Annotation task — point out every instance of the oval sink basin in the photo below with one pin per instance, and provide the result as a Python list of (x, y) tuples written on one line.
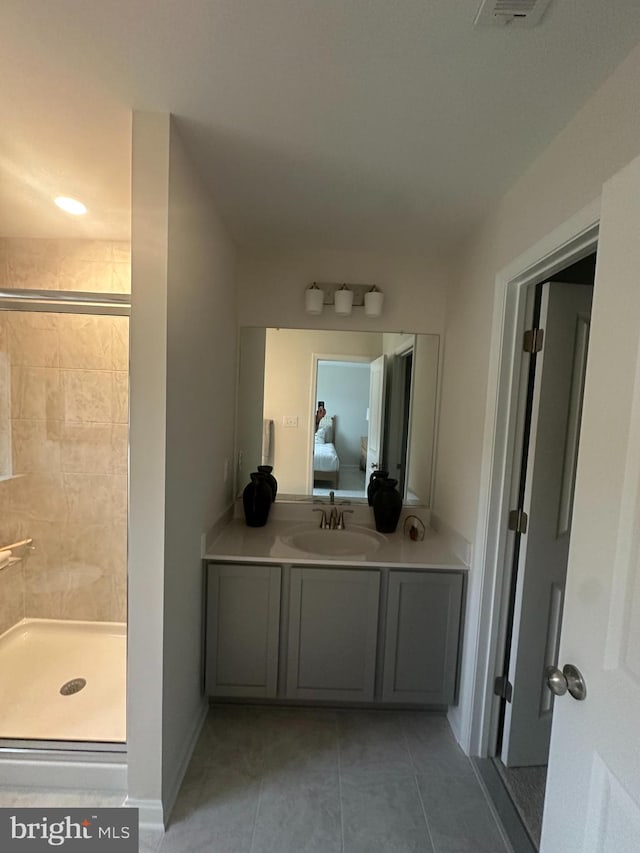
[(336, 543)]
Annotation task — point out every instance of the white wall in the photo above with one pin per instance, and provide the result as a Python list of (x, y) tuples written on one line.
[(201, 380), (600, 139), (147, 441), (271, 290), (183, 347)]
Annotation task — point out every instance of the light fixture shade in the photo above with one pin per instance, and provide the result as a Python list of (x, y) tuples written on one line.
[(373, 300), (313, 300), (343, 301)]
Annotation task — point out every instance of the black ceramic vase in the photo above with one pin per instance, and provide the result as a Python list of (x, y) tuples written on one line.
[(266, 470), (374, 483), (387, 506), (256, 500)]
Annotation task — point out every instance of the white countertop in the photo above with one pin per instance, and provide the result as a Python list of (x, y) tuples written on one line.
[(238, 543)]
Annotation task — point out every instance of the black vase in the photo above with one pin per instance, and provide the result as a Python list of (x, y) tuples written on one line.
[(387, 506), (374, 483), (256, 500), (266, 470)]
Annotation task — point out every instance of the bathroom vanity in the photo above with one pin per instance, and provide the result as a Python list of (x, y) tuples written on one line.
[(379, 624)]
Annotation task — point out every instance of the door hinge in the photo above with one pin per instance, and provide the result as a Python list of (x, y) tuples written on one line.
[(533, 339), (503, 688), (518, 520)]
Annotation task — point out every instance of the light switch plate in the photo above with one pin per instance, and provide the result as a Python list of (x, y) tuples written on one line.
[(290, 420)]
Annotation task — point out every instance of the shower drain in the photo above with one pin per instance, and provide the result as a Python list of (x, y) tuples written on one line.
[(73, 686)]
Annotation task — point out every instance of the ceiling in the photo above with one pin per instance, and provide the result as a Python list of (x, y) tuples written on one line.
[(345, 124)]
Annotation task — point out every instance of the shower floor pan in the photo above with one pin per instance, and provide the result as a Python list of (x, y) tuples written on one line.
[(41, 657)]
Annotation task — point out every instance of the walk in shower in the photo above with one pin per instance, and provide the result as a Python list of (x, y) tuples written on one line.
[(64, 367)]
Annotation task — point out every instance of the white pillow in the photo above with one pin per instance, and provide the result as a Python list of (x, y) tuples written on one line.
[(320, 435)]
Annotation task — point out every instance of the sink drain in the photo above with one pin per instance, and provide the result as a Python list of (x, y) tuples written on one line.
[(73, 686)]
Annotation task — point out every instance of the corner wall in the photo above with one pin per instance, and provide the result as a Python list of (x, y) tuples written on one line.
[(201, 382), (601, 139), (183, 345)]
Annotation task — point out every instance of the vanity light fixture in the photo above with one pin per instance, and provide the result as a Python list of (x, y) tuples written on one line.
[(313, 299), (373, 300), (343, 297), (71, 205), (343, 301)]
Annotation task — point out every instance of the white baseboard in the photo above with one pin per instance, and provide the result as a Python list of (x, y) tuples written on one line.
[(57, 773), (149, 813), (170, 799)]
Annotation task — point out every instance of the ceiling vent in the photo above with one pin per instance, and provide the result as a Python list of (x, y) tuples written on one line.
[(515, 13)]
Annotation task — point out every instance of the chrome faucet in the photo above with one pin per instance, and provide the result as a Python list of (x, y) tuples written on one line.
[(340, 523), (333, 519), (332, 497), (324, 524)]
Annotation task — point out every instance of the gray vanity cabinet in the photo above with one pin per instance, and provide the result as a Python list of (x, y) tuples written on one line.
[(422, 637), (243, 622), (332, 637)]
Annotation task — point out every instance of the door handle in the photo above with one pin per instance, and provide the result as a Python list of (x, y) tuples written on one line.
[(570, 679)]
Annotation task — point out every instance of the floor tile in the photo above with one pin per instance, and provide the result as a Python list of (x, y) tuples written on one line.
[(383, 815), (372, 743), (215, 812), (298, 815), (458, 815)]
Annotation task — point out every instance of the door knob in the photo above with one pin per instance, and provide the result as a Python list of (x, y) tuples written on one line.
[(556, 681), (570, 679), (575, 682)]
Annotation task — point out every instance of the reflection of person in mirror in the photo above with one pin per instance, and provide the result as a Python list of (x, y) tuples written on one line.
[(320, 413)]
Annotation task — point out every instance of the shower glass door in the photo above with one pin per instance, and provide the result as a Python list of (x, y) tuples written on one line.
[(64, 367)]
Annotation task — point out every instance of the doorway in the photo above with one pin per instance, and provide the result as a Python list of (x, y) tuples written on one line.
[(342, 390), (545, 453)]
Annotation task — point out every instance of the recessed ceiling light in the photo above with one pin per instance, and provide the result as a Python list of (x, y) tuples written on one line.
[(71, 205)]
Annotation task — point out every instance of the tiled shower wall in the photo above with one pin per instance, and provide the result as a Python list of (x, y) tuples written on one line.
[(68, 392)]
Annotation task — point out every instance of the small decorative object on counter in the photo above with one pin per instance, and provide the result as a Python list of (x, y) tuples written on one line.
[(266, 470), (414, 528), (387, 506), (257, 498), (374, 483)]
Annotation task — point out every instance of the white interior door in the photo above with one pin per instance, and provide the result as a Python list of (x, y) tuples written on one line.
[(542, 567), (376, 415), (593, 787)]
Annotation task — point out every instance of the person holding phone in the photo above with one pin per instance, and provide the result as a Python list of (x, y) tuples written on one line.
[(320, 413)]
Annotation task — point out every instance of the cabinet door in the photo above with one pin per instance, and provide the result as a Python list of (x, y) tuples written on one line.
[(243, 621), (422, 637), (333, 623)]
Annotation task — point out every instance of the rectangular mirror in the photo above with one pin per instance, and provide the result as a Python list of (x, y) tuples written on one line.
[(379, 392)]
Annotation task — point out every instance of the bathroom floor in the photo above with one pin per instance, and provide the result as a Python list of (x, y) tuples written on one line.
[(329, 781), (352, 484), (39, 656)]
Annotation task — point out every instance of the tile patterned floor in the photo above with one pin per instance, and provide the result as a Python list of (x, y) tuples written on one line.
[(282, 780)]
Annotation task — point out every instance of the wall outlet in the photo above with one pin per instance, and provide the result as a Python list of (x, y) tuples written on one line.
[(290, 420)]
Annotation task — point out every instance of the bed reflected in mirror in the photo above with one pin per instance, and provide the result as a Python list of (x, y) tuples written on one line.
[(377, 390)]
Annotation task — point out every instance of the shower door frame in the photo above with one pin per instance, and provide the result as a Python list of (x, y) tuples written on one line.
[(66, 302)]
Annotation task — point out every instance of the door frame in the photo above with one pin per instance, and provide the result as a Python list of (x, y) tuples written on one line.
[(570, 242)]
